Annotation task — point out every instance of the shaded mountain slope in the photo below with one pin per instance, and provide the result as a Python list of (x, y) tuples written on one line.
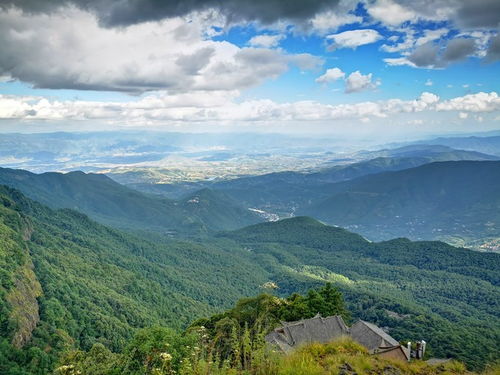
[(111, 203), (85, 283), (434, 199)]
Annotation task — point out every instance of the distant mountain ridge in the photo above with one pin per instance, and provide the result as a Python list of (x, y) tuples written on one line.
[(485, 144), (288, 189), (113, 204)]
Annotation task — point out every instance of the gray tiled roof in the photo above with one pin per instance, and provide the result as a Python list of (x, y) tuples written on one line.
[(371, 336), (317, 329)]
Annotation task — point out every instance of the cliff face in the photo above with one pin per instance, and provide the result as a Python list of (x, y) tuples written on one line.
[(24, 305), (19, 287)]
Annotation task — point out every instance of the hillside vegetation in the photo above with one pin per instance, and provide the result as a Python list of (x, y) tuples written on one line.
[(69, 282), (437, 199), (113, 204), (233, 343)]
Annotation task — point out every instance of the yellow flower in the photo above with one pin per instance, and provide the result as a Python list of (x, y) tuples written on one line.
[(165, 356)]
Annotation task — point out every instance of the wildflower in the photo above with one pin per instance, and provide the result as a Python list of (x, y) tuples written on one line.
[(165, 356)]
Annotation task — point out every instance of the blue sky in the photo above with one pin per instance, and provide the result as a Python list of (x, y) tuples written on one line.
[(327, 65)]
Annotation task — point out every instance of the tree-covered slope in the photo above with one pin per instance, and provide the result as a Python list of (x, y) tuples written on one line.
[(84, 283), (445, 198), (111, 203), (445, 295)]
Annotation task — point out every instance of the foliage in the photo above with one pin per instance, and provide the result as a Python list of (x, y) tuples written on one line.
[(100, 285), (113, 204), (430, 201)]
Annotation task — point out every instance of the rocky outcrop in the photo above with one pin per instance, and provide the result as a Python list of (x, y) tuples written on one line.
[(24, 305)]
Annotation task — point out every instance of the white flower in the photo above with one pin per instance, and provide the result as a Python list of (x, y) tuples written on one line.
[(165, 357)]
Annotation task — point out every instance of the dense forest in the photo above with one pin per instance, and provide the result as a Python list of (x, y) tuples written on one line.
[(233, 342), (110, 203), (68, 283)]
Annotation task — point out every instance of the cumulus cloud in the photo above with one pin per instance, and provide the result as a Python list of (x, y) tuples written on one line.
[(425, 55), (480, 102), (464, 13), (125, 13), (322, 15), (51, 51), (430, 55), (354, 82), (265, 40), (357, 82), (353, 38), (329, 21), (331, 75), (458, 49), (390, 12), (478, 13), (220, 107)]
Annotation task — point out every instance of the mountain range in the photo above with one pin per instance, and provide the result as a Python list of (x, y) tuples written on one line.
[(111, 203)]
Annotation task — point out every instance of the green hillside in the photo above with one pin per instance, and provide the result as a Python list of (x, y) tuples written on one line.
[(233, 342), (85, 283), (113, 204), (69, 282)]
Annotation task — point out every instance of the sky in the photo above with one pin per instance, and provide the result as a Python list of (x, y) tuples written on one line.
[(393, 68)]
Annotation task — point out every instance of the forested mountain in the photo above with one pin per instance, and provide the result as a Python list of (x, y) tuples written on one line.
[(111, 203), (437, 199), (390, 196), (67, 282), (285, 192), (79, 282)]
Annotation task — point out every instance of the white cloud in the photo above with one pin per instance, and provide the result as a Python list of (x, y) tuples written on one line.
[(428, 82), (330, 20), (398, 61), (331, 75), (265, 40), (463, 115), (219, 107), (354, 38), (390, 12), (431, 35), (429, 98), (480, 102), (68, 49), (356, 82)]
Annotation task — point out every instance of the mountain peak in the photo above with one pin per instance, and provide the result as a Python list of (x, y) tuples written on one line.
[(301, 230)]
